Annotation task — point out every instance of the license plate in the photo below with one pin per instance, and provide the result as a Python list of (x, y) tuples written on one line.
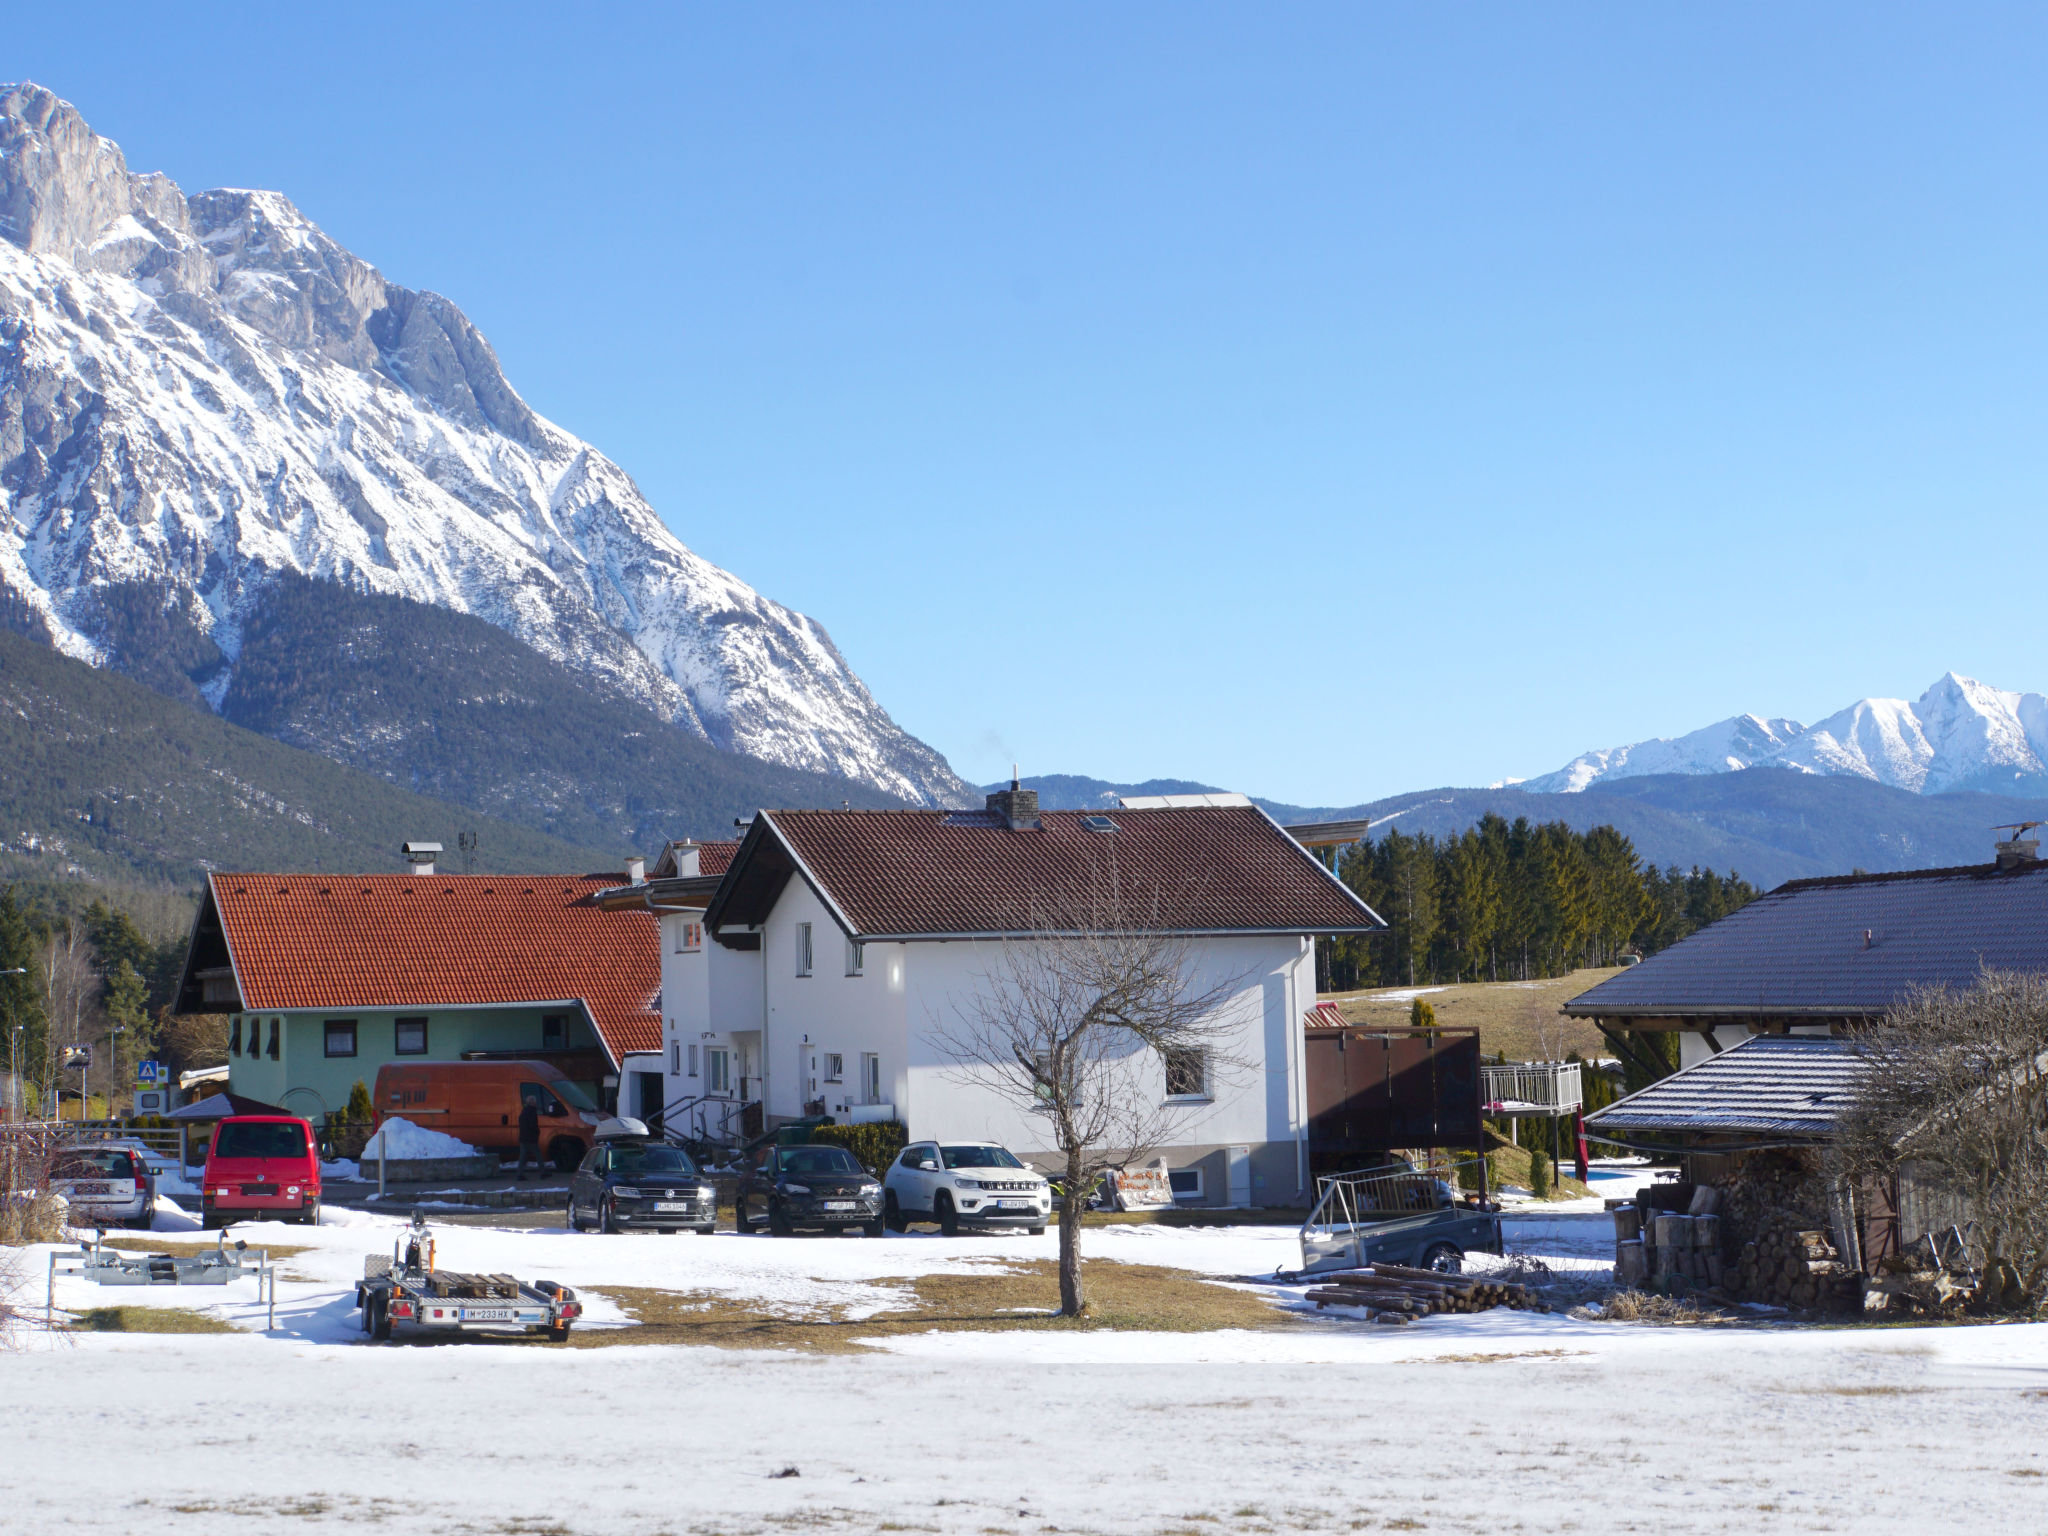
[(487, 1314), (841, 1205), (1013, 1205), (671, 1205)]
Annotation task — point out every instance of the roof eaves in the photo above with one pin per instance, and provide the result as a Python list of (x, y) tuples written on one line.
[(1378, 924), (811, 879), (965, 935)]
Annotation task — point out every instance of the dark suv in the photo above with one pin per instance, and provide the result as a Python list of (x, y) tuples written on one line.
[(809, 1186), (633, 1185)]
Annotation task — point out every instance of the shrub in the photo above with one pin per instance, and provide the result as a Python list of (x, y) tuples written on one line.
[(1539, 1174), (874, 1145)]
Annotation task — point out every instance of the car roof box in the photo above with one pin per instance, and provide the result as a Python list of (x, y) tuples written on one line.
[(622, 1128)]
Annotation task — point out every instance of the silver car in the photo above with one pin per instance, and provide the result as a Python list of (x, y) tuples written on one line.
[(105, 1186)]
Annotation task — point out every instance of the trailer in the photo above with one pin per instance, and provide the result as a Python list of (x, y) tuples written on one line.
[(1398, 1214), (409, 1291)]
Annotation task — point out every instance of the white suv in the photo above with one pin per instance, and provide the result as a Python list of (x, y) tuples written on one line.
[(964, 1184)]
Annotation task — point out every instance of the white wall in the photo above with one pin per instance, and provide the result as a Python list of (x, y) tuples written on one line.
[(827, 1011), (1257, 1102), (1693, 1048)]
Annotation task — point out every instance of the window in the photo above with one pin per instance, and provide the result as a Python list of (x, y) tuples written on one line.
[(276, 1028), (854, 958), (835, 1067), (675, 1058), (803, 949), (1186, 1183), (1187, 1074), (260, 1138), (689, 936), (235, 1036), (717, 1071), (554, 1032), (693, 1061), (547, 1103), (409, 1037), (341, 1037), (870, 1078)]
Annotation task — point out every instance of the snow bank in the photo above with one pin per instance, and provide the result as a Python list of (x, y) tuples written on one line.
[(401, 1138)]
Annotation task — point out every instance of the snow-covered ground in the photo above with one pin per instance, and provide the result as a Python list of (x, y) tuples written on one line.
[(1500, 1422)]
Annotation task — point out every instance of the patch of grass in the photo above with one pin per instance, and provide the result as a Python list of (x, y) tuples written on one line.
[(1513, 1017), (148, 1320), (143, 1242), (1020, 1298), (1649, 1307), (1484, 1359)]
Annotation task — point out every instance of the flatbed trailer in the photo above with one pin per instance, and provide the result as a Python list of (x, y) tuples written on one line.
[(408, 1291)]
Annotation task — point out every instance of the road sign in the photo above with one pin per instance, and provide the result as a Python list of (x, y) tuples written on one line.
[(77, 1056), (150, 1072)]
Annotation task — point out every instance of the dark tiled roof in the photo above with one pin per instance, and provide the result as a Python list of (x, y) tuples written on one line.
[(407, 941), (903, 873), (1776, 1085), (1801, 950)]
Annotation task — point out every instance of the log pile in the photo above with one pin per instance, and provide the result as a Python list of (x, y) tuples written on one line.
[(1669, 1250), (1397, 1294), (1792, 1264)]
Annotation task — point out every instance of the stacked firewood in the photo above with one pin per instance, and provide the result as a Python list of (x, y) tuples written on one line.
[(1791, 1264), (1395, 1293)]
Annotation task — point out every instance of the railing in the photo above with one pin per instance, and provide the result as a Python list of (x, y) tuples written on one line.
[(1530, 1088)]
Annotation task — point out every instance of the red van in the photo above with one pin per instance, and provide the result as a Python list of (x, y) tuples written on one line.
[(261, 1167)]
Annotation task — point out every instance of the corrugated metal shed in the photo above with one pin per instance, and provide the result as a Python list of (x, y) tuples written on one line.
[(1840, 948), (1776, 1085)]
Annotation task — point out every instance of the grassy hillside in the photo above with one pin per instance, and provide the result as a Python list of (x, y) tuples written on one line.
[(1518, 1019), (111, 782), (451, 706)]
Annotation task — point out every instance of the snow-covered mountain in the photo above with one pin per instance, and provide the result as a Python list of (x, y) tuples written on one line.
[(1959, 734), (200, 393)]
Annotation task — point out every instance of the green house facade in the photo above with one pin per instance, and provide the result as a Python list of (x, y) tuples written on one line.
[(326, 978)]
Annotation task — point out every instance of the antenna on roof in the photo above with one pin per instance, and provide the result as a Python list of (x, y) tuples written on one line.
[(466, 841)]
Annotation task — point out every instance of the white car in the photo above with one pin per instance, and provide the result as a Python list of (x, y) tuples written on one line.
[(964, 1184)]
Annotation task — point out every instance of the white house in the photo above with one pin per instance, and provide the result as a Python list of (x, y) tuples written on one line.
[(822, 971)]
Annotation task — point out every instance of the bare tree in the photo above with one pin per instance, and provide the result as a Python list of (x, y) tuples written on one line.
[(1953, 1096), (71, 990), (1092, 1019)]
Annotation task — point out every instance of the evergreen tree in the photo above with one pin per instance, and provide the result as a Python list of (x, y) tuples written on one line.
[(25, 1045)]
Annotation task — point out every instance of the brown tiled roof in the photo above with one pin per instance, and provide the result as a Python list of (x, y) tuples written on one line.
[(408, 941), (934, 873), (716, 858)]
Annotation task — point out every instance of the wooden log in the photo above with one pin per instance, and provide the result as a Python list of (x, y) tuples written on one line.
[(1628, 1223)]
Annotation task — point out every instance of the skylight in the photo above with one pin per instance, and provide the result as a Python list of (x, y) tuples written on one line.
[(1098, 823)]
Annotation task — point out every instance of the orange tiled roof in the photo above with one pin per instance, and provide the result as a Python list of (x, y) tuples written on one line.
[(410, 941)]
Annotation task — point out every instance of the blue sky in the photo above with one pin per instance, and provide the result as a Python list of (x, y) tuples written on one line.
[(1322, 402)]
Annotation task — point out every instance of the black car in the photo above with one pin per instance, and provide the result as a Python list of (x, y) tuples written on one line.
[(809, 1186), (625, 1186)]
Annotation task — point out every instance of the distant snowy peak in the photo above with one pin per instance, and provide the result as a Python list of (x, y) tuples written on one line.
[(1960, 734), (1718, 748), (200, 394)]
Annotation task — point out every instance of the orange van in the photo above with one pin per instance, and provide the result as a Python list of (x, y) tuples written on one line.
[(478, 1102)]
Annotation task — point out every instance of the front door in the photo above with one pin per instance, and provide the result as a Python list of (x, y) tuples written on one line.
[(647, 1099)]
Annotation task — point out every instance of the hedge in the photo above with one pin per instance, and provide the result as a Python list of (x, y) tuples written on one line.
[(874, 1145)]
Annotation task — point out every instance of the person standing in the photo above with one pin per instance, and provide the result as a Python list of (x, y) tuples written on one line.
[(529, 1134)]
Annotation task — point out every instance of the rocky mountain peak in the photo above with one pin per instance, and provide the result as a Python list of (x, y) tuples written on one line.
[(202, 393)]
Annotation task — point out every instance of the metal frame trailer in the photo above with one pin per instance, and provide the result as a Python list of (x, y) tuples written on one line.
[(408, 1290)]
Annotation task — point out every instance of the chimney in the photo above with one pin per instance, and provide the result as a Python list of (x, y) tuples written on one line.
[(421, 857), (636, 870), (2016, 850), (1016, 805)]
